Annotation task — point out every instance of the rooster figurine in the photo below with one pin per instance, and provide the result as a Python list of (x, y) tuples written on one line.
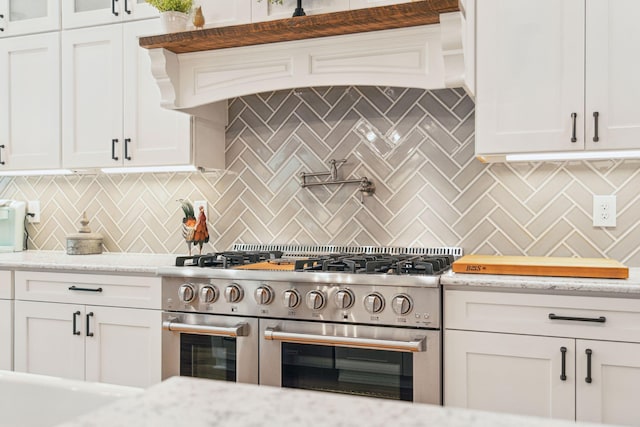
[(201, 234), (188, 223), (198, 18)]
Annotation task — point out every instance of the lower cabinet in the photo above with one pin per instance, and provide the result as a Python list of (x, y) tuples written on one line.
[(94, 327), (543, 355), (104, 344), (6, 335)]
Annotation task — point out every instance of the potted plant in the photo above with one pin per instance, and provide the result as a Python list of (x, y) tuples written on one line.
[(174, 14)]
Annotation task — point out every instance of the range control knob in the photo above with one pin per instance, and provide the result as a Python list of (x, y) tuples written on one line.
[(316, 300), (344, 299), (233, 293), (374, 303), (291, 298), (208, 294), (402, 304), (263, 295), (186, 293)]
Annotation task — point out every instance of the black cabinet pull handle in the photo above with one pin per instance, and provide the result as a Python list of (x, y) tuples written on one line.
[(563, 374), (126, 7), (1, 148), (600, 319), (574, 116), (89, 316), (589, 353), (126, 148), (1, 17), (113, 149), (113, 7), (595, 122), (76, 288), (75, 316)]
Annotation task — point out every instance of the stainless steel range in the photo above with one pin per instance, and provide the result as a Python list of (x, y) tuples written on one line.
[(355, 320)]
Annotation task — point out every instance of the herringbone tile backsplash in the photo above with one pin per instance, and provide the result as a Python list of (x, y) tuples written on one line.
[(415, 145)]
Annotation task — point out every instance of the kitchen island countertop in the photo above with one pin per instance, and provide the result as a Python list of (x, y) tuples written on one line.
[(182, 401)]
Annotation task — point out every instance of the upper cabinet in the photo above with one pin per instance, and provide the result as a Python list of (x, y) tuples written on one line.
[(534, 91), (111, 106), (23, 17), (30, 102), (84, 13)]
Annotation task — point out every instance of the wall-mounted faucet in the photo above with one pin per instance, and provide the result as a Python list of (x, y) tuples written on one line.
[(367, 187)]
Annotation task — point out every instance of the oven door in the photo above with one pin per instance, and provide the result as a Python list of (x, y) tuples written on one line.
[(210, 346), (386, 362)]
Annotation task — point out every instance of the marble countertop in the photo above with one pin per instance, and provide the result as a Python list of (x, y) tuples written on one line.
[(138, 263), (617, 287), (181, 401), (108, 262)]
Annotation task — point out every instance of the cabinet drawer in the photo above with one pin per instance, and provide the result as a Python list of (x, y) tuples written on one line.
[(529, 314), (6, 285), (96, 289)]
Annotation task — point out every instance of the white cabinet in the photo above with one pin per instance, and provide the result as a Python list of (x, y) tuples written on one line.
[(544, 355), (30, 104), (509, 373), (84, 13), (6, 320), (221, 13), (33, 16), (82, 326), (265, 11), (534, 93), (111, 106)]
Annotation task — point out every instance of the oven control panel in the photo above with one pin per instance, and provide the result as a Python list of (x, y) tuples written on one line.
[(411, 306)]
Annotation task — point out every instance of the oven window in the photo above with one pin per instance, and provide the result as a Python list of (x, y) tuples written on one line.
[(375, 373), (205, 356)]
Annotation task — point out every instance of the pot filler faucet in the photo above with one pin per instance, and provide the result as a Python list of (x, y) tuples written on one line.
[(366, 188)]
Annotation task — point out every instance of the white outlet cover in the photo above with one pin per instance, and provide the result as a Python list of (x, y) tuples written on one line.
[(33, 206), (604, 211)]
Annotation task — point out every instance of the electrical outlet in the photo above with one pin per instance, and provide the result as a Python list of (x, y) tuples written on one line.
[(604, 211), (196, 208), (33, 207)]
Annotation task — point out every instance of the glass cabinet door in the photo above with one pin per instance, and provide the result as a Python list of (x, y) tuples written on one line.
[(24, 17), (83, 13)]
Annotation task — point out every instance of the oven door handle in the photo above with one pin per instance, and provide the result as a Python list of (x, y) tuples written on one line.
[(417, 345), (239, 330)]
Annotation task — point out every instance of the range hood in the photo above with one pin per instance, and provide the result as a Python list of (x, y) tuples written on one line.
[(419, 44)]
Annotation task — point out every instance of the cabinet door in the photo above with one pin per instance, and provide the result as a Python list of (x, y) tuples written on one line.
[(92, 97), (509, 373), (361, 4), (125, 347), (220, 13), (30, 105), (153, 135), (6, 335), (86, 13), (612, 395), (530, 75), (612, 70), (265, 11), (33, 16), (46, 341)]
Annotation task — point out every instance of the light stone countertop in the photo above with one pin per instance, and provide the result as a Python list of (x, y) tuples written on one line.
[(106, 262), (182, 401), (615, 287)]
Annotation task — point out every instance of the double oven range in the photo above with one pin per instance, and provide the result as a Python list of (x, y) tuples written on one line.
[(353, 320)]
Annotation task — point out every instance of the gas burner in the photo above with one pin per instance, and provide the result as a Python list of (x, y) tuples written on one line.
[(226, 259), (377, 264)]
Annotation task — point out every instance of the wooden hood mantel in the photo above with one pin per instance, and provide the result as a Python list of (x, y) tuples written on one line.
[(417, 44)]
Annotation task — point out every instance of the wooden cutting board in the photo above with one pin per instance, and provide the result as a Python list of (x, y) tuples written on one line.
[(541, 266), (281, 265)]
